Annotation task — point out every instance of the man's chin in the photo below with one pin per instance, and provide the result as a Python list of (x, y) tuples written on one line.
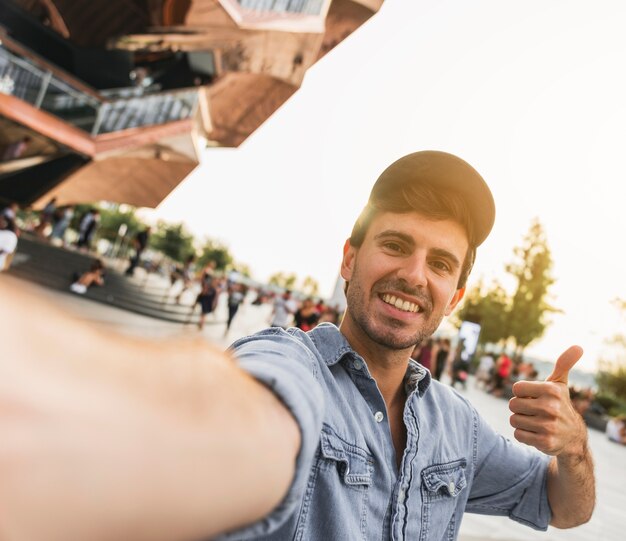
[(395, 341)]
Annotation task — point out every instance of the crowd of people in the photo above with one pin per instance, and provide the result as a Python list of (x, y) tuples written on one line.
[(287, 310)]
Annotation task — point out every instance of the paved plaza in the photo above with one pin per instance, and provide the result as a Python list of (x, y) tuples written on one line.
[(610, 458)]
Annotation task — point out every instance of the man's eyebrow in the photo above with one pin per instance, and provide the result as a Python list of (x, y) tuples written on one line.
[(391, 233)]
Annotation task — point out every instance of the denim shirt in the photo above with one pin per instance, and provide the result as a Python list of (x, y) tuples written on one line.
[(347, 484)]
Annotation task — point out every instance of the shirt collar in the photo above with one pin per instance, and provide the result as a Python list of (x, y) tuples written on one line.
[(333, 346)]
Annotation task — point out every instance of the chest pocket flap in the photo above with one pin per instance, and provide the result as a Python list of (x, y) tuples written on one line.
[(354, 464), (445, 480)]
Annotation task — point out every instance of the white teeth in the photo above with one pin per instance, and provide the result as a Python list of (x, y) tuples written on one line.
[(405, 306)]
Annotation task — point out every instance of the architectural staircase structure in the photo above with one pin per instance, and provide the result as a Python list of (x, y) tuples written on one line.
[(140, 87), (146, 294)]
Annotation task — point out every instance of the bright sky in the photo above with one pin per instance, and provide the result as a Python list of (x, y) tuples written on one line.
[(532, 94)]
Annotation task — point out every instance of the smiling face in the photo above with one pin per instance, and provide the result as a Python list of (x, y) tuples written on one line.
[(402, 279)]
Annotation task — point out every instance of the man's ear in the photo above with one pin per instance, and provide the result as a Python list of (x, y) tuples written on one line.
[(347, 263), (456, 298)]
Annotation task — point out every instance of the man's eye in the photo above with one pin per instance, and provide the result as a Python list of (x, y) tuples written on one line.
[(441, 265), (393, 246)]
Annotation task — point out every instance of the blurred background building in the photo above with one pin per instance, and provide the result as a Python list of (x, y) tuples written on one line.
[(116, 99)]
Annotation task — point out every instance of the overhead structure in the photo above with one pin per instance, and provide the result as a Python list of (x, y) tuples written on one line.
[(116, 99)]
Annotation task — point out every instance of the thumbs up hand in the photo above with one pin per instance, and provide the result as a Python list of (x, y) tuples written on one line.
[(543, 414)]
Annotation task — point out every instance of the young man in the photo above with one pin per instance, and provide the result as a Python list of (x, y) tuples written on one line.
[(344, 438)]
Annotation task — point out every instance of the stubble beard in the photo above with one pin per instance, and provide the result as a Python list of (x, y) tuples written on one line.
[(386, 334)]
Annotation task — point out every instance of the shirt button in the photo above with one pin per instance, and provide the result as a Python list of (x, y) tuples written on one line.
[(401, 495), (452, 487), (379, 416), (357, 363)]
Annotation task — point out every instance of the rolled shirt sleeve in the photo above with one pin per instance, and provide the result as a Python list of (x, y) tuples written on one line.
[(286, 366), (510, 480)]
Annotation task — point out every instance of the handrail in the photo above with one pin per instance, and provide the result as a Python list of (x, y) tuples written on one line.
[(308, 7), (94, 114), (33, 58)]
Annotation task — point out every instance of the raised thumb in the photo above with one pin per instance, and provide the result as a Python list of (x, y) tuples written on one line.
[(565, 363)]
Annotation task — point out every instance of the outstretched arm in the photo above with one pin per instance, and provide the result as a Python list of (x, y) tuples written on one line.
[(105, 437), (545, 418)]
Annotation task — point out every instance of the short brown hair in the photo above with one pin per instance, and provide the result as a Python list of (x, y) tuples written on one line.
[(428, 200)]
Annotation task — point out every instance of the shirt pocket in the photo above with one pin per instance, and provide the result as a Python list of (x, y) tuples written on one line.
[(442, 487), (335, 502), (353, 464)]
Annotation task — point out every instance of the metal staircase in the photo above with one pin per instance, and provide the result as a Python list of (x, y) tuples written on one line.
[(149, 295), (96, 113)]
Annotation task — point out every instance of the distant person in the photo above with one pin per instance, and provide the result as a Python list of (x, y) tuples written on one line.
[(283, 310), (616, 429), (581, 399), (208, 273), (16, 150), (441, 357), (87, 228), (8, 242), (140, 243), (207, 299), (236, 296), (502, 373), (46, 217), (307, 316), (424, 354), (330, 314), (460, 366), (93, 277), (10, 212), (64, 217), (484, 372)]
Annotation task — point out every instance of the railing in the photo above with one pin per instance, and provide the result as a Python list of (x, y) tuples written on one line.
[(305, 7), (45, 90)]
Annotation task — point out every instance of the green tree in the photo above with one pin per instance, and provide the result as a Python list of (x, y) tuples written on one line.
[(283, 280), (112, 218), (216, 252), (489, 308), (532, 271), (611, 376), (173, 240), (310, 286)]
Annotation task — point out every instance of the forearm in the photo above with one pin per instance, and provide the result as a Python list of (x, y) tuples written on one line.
[(571, 487), (111, 438)]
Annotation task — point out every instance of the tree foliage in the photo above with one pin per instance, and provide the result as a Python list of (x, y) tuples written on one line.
[(283, 280), (216, 252), (532, 271), (112, 218), (490, 309), (173, 240), (310, 286), (521, 316), (611, 376)]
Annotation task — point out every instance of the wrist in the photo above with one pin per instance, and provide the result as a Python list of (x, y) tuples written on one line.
[(576, 451)]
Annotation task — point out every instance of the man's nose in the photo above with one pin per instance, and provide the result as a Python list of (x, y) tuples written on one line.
[(414, 270)]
